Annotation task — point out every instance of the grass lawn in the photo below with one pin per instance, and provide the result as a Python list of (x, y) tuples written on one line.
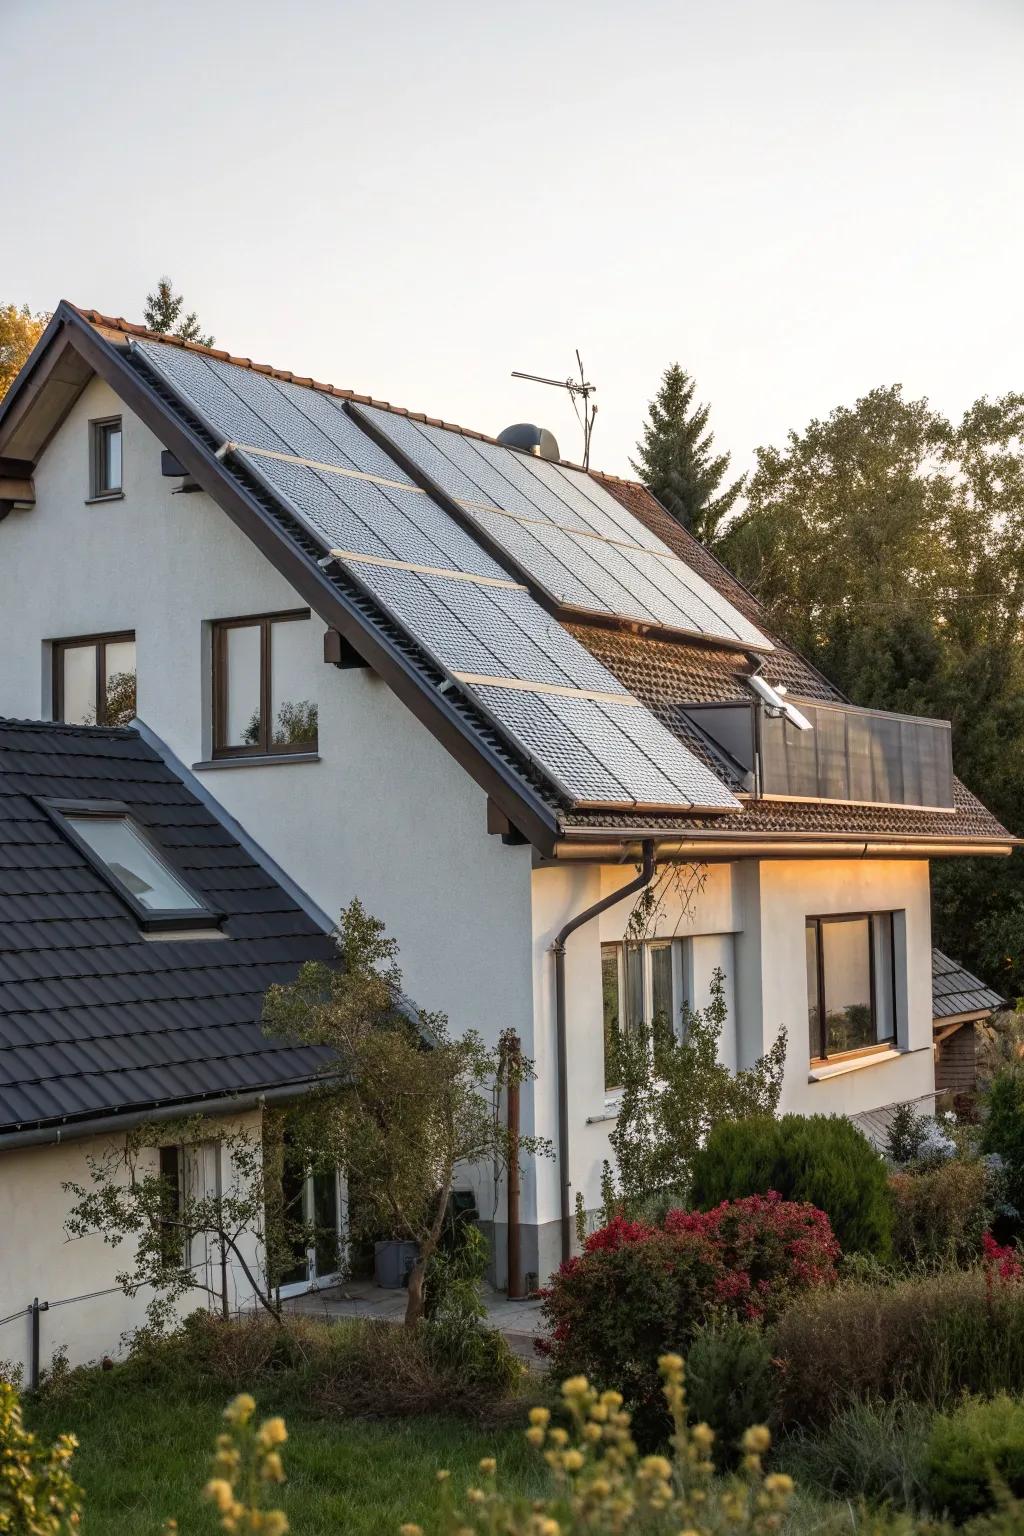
[(144, 1456)]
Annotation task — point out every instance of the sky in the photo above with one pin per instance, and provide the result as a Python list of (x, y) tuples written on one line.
[(796, 199)]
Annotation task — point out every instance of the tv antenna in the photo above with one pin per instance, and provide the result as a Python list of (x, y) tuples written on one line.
[(579, 392)]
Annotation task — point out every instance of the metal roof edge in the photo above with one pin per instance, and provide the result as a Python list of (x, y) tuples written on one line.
[(245, 840)]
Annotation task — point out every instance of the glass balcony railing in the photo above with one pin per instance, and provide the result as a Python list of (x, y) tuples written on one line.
[(855, 755)]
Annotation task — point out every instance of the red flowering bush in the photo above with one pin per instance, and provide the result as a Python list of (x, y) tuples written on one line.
[(638, 1290), (1001, 1263)]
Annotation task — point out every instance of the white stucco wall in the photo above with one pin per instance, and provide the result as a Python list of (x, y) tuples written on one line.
[(38, 1259), (748, 918), (385, 814)]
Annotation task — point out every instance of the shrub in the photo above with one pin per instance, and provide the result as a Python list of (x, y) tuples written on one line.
[(37, 1494), (872, 1450), (638, 1289), (974, 1452), (730, 1382), (930, 1337), (940, 1213), (351, 1368), (822, 1160), (1003, 1130)]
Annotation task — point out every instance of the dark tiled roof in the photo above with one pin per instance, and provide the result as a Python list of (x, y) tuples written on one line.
[(94, 1017), (662, 673), (956, 991)]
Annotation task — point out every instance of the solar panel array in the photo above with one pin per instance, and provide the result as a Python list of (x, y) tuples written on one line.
[(542, 689), (568, 534)]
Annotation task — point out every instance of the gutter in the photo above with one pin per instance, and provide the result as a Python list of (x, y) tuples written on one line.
[(644, 878), (586, 845), (101, 1125)]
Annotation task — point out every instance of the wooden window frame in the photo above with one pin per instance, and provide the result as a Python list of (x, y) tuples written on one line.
[(823, 1058), (265, 747), (98, 488), (79, 642)]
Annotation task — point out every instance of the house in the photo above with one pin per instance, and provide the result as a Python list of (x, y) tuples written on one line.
[(960, 1003), (139, 930), (496, 697)]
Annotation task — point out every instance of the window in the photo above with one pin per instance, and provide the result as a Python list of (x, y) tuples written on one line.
[(105, 457), (116, 846), (260, 668), (851, 983), (94, 679), (173, 1246), (641, 984)]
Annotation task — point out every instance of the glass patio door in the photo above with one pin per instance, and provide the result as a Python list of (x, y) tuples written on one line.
[(316, 1200)]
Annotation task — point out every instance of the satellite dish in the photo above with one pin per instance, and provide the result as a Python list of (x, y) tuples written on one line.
[(530, 439)]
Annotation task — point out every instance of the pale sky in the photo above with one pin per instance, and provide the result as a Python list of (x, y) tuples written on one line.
[(797, 199)]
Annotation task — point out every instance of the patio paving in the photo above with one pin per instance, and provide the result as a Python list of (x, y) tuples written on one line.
[(520, 1321)]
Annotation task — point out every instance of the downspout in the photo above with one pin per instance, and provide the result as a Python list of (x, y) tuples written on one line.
[(644, 878)]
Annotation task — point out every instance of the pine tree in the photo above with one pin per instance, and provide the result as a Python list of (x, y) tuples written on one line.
[(163, 307), (676, 462)]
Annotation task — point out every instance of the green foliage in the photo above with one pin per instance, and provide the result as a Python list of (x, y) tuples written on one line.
[(928, 1337), (973, 1454), (905, 1135), (869, 1450), (413, 1103), (888, 544), (676, 462), (940, 1213), (37, 1494), (1003, 1130), (673, 1095), (821, 1159), (20, 329), (730, 1381), (163, 314)]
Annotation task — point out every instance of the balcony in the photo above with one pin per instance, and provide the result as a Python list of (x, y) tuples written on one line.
[(858, 756)]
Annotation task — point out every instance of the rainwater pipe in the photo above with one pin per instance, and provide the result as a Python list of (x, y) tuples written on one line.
[(643, 879)]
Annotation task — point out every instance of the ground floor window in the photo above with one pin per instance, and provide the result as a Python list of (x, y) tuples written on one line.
[(312, 1201), (643, 985), (851, 983), (173, 1247)]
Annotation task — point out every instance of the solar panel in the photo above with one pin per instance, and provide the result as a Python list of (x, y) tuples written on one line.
[(549, 695), (567, 534)]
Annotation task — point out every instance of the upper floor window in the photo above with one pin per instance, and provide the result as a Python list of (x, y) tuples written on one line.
[(261, 668), (644, 986), (94, 679), (105, 457), (851, 983)]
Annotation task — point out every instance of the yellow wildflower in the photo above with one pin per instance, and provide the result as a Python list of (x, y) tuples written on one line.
[(271, 1468), (575, 1386), (757, 1439), (559, 1437), (779, 1482), (540, 1417), (273, 1432), (442, 1474), (475, 1495), (488, 1466), (241, 1410), (703, 1436), (410, 1530), (572, 1461), (275, 1523), (656, 1466), (670, 1365), (535, 1437), (218, 1490)]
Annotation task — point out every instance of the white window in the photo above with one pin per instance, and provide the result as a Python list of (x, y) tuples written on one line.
[(642, 985)]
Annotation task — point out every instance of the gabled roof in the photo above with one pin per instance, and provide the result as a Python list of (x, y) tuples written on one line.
[(96, 1018), (660, 673), (956, 992)]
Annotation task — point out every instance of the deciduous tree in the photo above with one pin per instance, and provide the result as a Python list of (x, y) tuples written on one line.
[(20, 329)]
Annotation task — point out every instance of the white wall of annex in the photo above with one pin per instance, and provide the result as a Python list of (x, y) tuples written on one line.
[(385, 814), (38, 1259)]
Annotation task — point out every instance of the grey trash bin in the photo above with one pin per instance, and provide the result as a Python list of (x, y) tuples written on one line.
[(392, 1262)]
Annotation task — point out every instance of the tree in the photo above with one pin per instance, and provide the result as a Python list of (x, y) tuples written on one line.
[(417, 1101), (20, 329), (887, 543), (676, 461), (162, 312), (674, 1091), (129, 1199)]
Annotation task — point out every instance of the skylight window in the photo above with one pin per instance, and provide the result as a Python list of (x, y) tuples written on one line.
[(120, 850)]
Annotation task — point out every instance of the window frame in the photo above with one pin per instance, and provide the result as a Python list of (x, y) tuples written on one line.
[(175, 1242), (265, 747), (171, 920), (816, 921), (79, 642), (99, 428), (682, 977)]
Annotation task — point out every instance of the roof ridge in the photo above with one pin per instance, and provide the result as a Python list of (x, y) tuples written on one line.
[(61, 727), (306, 381)]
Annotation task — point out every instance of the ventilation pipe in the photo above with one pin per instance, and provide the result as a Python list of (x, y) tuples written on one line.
[(643, 879)]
